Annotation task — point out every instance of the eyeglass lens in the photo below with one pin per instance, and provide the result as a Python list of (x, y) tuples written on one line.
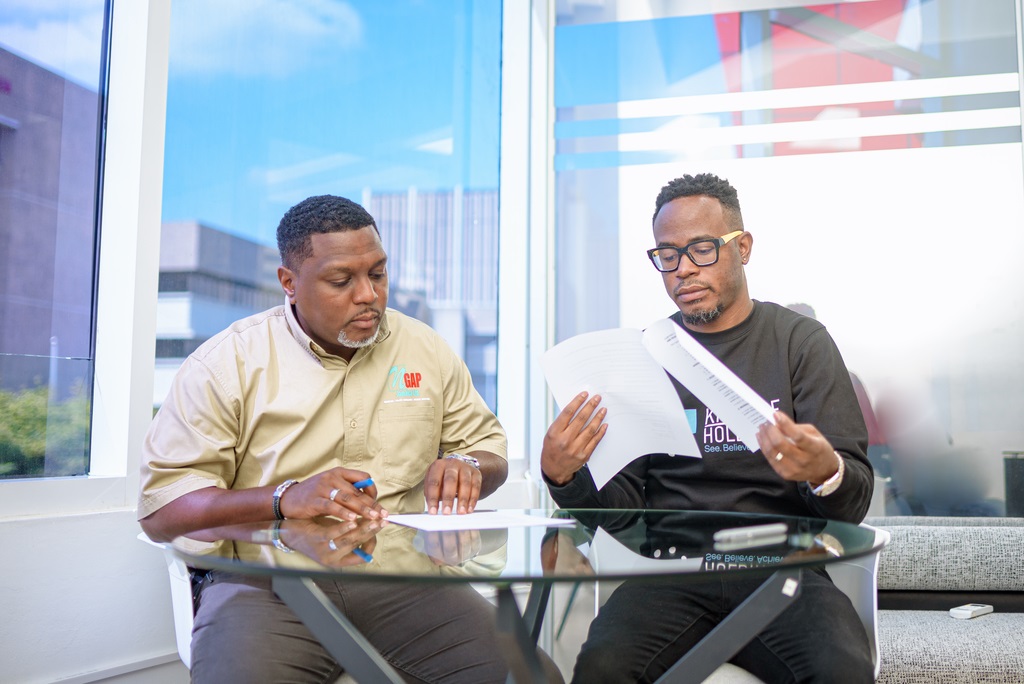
[(702, 253)]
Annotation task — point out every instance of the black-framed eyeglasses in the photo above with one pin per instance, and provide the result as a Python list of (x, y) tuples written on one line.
[(701, 252)]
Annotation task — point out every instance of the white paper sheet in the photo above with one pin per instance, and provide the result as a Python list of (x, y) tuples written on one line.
[(478, 520), (644, 413), (721, 390)]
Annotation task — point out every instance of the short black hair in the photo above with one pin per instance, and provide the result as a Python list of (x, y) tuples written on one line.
[(318, 214), (708, 185)]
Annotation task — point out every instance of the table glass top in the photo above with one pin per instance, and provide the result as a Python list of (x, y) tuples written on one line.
[(598, 544)]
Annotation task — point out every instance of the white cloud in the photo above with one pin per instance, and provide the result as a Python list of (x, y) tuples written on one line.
[(441, 146), (302, 170), (63, 37), (260, 37)]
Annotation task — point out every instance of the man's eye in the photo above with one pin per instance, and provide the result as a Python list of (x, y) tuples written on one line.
[(378, 276), (339, 283)]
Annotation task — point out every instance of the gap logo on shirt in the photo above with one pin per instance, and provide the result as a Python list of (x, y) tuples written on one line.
[(403, 382)]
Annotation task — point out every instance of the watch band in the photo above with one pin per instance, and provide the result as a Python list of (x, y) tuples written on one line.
[(275, 538), (465, 459), (831, 484), (281, 488)]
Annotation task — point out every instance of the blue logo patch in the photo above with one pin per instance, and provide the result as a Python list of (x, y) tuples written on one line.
[(404, 383)]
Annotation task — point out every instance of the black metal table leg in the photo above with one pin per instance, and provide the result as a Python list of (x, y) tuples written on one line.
[(518, 637), (734, 632)]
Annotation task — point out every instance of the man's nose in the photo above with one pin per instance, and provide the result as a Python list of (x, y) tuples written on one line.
[(365, 291), (686, 267)]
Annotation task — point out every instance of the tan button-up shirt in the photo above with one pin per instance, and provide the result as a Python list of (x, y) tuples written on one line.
[(261, 402)]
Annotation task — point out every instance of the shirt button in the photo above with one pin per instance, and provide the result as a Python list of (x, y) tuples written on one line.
[(352, 424)]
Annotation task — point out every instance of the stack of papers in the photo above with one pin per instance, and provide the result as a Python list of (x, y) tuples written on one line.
[(627, 368)]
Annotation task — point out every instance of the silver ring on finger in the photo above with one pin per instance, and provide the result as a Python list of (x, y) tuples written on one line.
[(778, 456), (331, 545), (334, 493)]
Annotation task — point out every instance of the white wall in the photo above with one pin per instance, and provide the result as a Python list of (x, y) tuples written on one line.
[(83, 599)]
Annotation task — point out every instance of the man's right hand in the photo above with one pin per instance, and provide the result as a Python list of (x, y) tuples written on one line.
[(311, 497), (572, 438)]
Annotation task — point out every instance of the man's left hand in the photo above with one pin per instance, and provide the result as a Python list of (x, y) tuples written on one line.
[(449, 479), (797, 451)]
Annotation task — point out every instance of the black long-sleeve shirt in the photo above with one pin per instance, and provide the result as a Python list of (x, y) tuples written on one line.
[(793, 363)]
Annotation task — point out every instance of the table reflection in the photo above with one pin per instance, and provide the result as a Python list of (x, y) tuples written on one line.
[(350, 547)]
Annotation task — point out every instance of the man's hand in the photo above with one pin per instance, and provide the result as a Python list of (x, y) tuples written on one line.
[(449, 479), (332, 542), (450, 547), (572, 438), (797, 452), (558, 555), (332, 493)]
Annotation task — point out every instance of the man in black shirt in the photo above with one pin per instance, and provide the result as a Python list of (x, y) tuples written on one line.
[(811, 462)]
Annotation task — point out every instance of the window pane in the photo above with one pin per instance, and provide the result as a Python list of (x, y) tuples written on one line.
[(843, 126), (394, 105), (50, 77)]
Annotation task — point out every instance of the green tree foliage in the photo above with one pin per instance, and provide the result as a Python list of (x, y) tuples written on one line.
[(39, 439)]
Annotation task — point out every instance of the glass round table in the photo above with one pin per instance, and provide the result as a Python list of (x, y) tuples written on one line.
[(535, 548)]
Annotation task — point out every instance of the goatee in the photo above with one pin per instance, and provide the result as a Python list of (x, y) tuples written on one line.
[(699, 318)]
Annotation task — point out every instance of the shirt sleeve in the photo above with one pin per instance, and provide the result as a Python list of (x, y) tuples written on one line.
[(467, 424), (191, 442), (625, 490), (823, 396)]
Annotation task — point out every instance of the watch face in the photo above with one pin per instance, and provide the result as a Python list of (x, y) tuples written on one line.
[(465, 459)]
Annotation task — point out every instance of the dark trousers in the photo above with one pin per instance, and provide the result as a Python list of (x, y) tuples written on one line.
[(645, 627), (428, 633)]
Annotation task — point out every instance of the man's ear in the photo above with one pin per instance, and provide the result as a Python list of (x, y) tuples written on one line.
[(287, 279), (746, 245)]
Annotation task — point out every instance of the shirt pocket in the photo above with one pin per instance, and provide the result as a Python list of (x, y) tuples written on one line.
[(408, 441)]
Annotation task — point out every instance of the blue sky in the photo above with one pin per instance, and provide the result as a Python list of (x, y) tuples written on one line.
[(270, 101)]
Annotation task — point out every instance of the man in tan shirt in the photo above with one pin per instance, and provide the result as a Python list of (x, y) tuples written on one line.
[(279, 416)]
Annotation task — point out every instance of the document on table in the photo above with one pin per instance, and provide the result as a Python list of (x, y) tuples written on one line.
[(627, 368), (644, 413), (478, 520)]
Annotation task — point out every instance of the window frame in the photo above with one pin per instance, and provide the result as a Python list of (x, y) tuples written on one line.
[(525, 315), (128, 244)]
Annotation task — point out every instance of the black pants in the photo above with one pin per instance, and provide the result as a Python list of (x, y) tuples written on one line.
[(645, 627)]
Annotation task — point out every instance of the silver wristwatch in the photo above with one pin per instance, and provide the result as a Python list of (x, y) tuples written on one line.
[(831, 484), (465, 459), (277, 497)]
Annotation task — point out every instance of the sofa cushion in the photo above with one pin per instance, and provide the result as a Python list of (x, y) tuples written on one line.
[(961, 558), (930, 647)]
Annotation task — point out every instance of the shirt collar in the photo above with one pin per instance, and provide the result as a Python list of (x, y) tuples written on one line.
[(314, 349)]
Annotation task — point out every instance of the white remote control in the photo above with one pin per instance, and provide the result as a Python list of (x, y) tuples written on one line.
[(970, 610)]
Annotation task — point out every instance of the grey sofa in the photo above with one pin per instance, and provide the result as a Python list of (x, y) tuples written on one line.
[(933, 564)]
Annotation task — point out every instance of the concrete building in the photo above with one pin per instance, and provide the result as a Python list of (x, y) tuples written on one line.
[(48, 190)]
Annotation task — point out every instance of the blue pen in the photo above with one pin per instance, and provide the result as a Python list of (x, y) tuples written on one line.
[(363, 484), (362, 554)]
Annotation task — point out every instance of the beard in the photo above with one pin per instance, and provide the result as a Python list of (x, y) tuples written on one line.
[(704, 317), (346, 341)]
